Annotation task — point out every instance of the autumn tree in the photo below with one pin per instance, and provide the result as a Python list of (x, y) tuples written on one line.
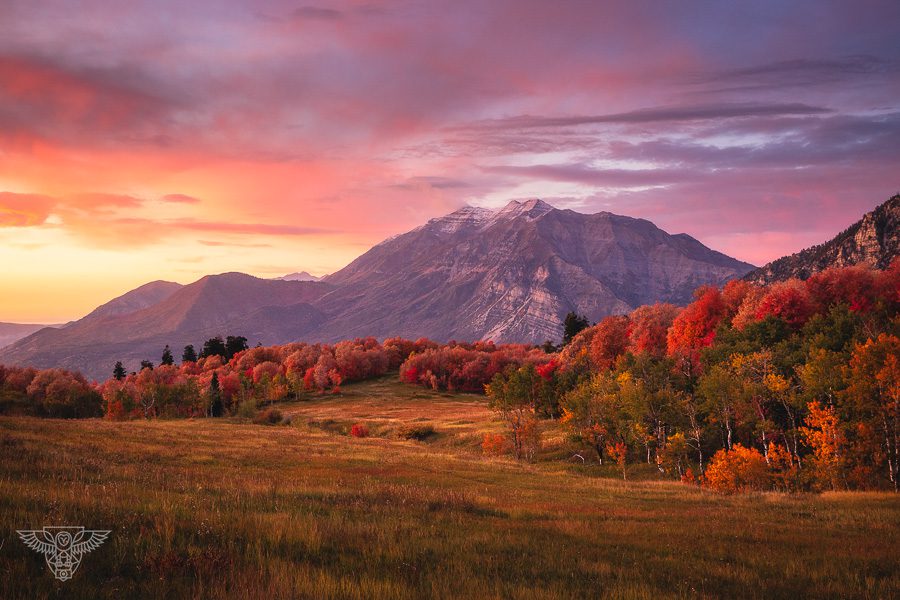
[(724, 400), (119, 398), (854, 286), (823, 432), (691, 407), (593, 411), (762, 384), (789, 301), (739, 470), (64, 394), (822, 382), (694, 329), (513, 395), (874, 392), (649, 326), (610, 341), (650, 400), (618, 452), (675, 455)]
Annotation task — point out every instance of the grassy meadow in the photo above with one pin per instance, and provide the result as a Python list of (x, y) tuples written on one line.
[(218, 508)]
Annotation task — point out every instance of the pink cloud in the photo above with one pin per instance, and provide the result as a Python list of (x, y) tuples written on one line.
[(24, 210)]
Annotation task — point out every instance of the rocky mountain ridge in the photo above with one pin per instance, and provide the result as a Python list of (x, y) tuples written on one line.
[(873, 240)]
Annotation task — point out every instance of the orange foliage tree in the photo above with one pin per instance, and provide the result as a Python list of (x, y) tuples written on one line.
[(740, 470), (874, 394), (824, 434)]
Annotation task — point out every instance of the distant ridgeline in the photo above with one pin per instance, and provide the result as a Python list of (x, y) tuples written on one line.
[(873, 240), (788, 386)]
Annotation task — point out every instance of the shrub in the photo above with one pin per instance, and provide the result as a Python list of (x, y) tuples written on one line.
[(271, 416), (741, 470), (247, 408), (359, 431), (494, 444), (417, 432)]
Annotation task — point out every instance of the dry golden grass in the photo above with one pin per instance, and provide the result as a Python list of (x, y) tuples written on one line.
[(389, 409), (215, 509)]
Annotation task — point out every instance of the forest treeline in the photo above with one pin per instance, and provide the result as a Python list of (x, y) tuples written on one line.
[(791, 386)]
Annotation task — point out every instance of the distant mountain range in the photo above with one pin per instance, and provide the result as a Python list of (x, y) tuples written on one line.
[(509, 275), (301, 276), (873, 240)]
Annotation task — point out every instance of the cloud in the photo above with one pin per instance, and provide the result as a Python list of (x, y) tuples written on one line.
[(24, 210), (217, 244), (435, 182), (578, 173), (47, 98), (350, 121), (316, 13), (656, 115), (95, 201), (180, 199), (803, 72), (240, 228)]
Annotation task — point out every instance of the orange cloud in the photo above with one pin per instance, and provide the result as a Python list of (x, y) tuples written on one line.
[(180, 199), (24, 210)]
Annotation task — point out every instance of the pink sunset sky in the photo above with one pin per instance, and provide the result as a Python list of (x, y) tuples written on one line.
[(168, 140)]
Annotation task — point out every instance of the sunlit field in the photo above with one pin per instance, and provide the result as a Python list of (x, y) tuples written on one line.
[(215, 508)]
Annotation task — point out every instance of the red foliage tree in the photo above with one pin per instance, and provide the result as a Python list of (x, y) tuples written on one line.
[(694, 329), (610, 341), (855, 286), (649, 328), (787, 300)]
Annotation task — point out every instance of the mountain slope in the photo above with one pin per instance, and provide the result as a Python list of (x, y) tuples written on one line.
[(512, 275), (143, 297), (266, 311), (874, 239), (13, 332)]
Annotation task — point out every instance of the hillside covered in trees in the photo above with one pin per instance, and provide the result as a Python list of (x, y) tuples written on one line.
[(791, 386)]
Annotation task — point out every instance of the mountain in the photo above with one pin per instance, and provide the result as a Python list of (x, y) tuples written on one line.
[(145, 296), (13, 332), (301, 276), (509, 275), (267, 311), (874, 240), (512, 275)]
